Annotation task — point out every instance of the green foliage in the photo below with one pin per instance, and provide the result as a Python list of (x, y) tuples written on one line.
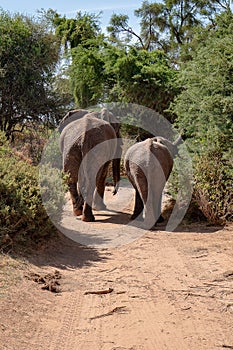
[(141, 77), (204, 109), (82, 41), (103, 73), (213, 187), (76, 31), (120, 31), (28, 58), (165, 25), (23, 218), (53, 184), (87, 73)]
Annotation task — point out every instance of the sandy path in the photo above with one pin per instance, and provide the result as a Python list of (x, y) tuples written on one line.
[(170, 291)]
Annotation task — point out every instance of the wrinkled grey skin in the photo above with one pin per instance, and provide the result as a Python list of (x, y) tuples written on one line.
[(88, 144), (148, 165), (72, 116)]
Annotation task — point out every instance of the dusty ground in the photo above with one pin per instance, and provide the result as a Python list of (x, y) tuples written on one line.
[(162, 291)]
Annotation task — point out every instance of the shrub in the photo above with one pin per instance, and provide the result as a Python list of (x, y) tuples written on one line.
[(29, 144), (23, 217), (213, 187), (204, 112)]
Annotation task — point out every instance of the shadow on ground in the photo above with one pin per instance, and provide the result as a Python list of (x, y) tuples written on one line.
[(64, 253)]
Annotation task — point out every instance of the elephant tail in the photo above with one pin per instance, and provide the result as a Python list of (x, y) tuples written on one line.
[(116, 188), (116, 163)]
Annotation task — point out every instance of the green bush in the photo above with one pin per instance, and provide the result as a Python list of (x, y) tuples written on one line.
[(213, 190), (22, 215), (204, 112), (210, 177)]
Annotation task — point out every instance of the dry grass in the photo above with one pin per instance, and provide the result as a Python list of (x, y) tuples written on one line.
[(11, 273)]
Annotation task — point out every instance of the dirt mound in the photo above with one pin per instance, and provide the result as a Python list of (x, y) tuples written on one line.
[(50, 281)]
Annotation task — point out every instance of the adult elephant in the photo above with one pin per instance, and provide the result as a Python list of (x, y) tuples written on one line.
[(88, 145), (148, 165)]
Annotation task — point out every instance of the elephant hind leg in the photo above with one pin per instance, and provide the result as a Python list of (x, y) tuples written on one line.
[(157, 205), (100, 187), (138, 207), (77, 199), (160, 217), (87, 213)]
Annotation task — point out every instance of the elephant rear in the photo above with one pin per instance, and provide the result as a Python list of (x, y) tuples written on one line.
[(86, 138), (148, 165), (88, 145)]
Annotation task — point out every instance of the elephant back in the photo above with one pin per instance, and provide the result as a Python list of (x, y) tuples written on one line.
[(96, 132), (147, 155), (84, 134), (107, 116), (70, 117), (171, 146), (162, 155)]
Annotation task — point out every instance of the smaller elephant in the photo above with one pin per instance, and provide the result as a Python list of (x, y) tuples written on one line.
[(148, 165)]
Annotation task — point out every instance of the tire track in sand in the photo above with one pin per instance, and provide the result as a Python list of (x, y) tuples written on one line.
[(75, 330)]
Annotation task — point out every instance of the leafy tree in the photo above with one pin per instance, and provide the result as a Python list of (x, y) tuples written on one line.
[(75, 31), (205, 109), (168, 24), (121, 32), (141, 77), (87, 74), (82, 41), (28, 58), (101, 72)]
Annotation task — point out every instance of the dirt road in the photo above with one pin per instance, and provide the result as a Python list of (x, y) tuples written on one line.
[(162, 291)]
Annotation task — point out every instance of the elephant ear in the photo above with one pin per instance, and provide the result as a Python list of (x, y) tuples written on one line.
[(106, 115), (70, 117), (171, 146)]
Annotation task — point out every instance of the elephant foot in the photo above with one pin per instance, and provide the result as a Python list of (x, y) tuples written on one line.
[(77, 212), (88, 218)]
